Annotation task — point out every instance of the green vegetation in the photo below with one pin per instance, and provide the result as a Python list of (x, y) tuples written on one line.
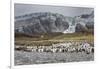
[(49, 39)]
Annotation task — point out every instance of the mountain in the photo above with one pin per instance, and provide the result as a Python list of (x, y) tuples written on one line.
[(84, 23), (41, 23), (46, 22)]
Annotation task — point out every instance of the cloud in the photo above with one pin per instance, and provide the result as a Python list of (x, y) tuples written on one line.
[(21, 9)]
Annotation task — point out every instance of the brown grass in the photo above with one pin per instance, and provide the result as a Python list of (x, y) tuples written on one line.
[(48, 40)]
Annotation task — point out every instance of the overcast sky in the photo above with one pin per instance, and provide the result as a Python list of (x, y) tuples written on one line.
[(21, 9)]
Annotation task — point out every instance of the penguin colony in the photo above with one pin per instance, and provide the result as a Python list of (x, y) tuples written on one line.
[(60, 47)]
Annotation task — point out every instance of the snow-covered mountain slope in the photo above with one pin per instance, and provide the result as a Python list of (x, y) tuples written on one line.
[(84, 22), (41, 23), (46, 22)]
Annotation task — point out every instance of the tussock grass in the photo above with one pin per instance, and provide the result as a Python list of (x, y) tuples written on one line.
[(48, 40)]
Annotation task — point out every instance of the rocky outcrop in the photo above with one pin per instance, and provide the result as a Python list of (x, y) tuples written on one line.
[(41, 23), (85, 23), (46, 22)]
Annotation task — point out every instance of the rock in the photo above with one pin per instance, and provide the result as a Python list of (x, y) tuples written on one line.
[(41, 23)]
